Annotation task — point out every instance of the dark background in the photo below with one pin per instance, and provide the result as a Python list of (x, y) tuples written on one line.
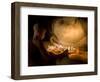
[(42, 21)]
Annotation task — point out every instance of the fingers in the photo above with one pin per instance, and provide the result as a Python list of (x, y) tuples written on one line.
[(82, 56)]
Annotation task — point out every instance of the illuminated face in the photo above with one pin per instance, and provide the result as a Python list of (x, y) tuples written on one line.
[(68, 31)]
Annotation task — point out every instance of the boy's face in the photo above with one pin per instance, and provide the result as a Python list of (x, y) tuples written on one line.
[(68, 32)]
